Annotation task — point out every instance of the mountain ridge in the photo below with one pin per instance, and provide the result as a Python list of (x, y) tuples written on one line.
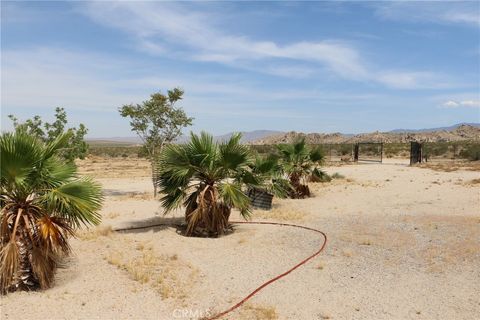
[(260, 136)]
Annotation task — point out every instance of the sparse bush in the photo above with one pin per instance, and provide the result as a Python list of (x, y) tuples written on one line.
[(345, 149), (471, 152), (49, 132)]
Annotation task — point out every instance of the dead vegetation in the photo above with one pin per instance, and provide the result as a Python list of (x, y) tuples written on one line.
[(258, 312), (134, 196), (160, 271), (450, 166), (94, 234)]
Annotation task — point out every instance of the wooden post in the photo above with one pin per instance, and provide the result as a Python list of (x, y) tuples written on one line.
[(355, 152)]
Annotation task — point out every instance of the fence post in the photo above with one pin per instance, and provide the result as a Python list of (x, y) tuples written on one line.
[(416, 152), (381, 153)]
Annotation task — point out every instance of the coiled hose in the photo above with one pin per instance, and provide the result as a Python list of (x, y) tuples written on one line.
[(221, 314)]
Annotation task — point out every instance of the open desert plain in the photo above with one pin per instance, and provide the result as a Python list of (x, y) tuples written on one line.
[(403, 243), (240, 160)]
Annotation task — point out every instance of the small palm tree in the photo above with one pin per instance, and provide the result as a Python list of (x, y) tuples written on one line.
[(43, 201), (269, 173), (209, 179), (300, 163)]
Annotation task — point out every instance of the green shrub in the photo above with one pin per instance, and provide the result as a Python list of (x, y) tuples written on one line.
[(471, 152)]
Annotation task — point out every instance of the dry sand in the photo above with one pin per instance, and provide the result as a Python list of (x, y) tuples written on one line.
[(403, 244)]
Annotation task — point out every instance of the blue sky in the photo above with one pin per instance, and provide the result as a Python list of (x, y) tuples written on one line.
[(305, 66)]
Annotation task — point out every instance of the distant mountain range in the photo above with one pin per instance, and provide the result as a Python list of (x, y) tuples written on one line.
[(247, 136), (262, 136), (455, 126), (460, 132)]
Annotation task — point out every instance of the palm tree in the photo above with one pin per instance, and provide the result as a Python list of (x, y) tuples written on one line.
[(208, 178), (269, 173), (43, 201), (300, 163)]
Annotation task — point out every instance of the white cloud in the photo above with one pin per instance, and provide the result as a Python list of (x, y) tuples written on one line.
[(470, 103), (459, 12), (450, 104), (463, 103), (156, 23), (49, 77), (193, 33), (415, 80)]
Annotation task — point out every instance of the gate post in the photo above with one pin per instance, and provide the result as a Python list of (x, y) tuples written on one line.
[(355, 152), (416, 152)]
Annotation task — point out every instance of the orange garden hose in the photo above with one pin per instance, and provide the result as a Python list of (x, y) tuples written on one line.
[(221, 314)]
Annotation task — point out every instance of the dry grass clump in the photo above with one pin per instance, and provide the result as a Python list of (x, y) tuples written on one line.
[(134, 196), (347, 252), (242, 240), (100, 231), (161, 272), (258, 312), (473, 182), (325, 315), (320, 265), (281, 213), (449, 166)]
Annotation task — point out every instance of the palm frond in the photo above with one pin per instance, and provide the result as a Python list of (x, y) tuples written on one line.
[(316, 155), (78, 201), (318, 175), (233, 154), (44, 263), (280, 187), (172, 199), (233, 196), (55, 173), (53, 233), (9, 262), (54, 146), (20, 154)]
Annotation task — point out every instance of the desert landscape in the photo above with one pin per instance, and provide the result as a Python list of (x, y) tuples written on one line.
[(403, 243), (241, 160)]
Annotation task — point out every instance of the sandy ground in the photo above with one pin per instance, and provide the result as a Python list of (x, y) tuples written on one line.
[(404, 243)]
